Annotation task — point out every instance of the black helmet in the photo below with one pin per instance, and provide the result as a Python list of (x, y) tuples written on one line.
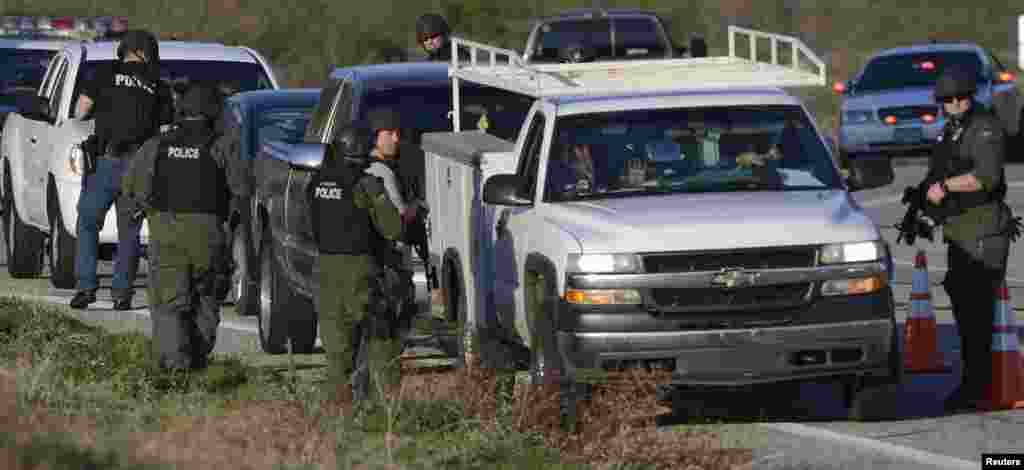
[(955, 81), (141, 40), (384, 118), (201, 100), (429, 25), (353, 141)]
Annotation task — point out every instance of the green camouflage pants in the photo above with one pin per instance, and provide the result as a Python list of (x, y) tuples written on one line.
[(185, 310), (345, 287)]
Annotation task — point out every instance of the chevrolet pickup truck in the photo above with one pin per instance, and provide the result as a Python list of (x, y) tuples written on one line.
[(40, 150), (685, 214), (282, 235)]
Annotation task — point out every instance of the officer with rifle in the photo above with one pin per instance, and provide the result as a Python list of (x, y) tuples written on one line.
[(964, 192), (362, 277)]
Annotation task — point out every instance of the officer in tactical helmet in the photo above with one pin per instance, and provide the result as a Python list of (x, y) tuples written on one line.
[(184, 184), (356, 216), (966, 178), (129, 103), (434, 36)]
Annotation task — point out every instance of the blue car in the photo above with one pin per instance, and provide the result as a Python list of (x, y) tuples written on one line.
[(252, 118), (889, 108)]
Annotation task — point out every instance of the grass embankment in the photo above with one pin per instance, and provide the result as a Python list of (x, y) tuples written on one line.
[(75, 396)]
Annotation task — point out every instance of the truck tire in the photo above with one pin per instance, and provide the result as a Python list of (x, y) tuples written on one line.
[(283, 314), (546, 365), (62, 253), (24, 243)]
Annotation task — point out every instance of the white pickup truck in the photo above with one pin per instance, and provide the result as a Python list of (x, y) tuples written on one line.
[(680, 213), (40, 184)]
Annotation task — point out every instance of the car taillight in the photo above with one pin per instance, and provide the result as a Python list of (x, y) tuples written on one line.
[(928, 117), (1005, 77), (890, 119)]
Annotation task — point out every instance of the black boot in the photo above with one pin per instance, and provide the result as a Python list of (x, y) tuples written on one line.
[(83, 298)]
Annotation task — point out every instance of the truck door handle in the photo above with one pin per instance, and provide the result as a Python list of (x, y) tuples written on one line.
[(33, 140)]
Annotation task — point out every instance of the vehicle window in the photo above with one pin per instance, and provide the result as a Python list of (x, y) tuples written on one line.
[(913, 70), (555, 36), (322, 112), (234, 76), (531, 157), (427, 108), (58, 88), (638, 38), (284, 123), (343, 115), (716, 149), (21, 71)]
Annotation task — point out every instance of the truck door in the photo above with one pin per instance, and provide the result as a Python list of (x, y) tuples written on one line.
[(302, 250), (40, 151), (512, 225)]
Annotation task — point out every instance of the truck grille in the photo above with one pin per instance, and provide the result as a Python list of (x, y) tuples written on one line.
[(716, 299), (908, 113), (756, 258)]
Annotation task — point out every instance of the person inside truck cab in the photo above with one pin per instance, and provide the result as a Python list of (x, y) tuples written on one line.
[(577, 168)]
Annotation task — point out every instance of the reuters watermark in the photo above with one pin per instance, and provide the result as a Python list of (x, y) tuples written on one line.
[(991, 461)]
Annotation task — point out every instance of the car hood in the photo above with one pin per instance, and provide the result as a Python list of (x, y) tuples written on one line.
[(713, 221), (884, 99)]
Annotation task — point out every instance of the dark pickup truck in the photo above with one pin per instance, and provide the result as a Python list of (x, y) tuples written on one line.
[(281, 232), (605, 34)]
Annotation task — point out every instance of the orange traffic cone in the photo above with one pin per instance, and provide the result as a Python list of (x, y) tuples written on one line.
[(920, 332), (1006, 389)]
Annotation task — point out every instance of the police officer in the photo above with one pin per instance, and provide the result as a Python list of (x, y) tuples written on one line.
[(354, 220), (967, 181), (130, 103), (184, 184), (434, 36)]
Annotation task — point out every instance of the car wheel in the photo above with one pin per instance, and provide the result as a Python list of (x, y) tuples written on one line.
[(24, 243), (284, 315), (62, 253)]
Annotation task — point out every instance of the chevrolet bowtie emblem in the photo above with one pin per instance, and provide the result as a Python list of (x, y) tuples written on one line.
[(733, 278)]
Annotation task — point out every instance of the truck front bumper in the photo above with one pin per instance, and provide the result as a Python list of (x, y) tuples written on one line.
[(832, 337)]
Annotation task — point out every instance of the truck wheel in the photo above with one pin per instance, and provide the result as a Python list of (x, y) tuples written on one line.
[(24, 244), (62, 253), (545, 362), (283, 315)]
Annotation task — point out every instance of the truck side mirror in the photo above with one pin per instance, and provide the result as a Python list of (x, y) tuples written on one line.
[(501, 190), (869, 171)]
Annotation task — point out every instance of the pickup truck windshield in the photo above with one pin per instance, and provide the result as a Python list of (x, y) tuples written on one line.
[(286, 124), (913, 70), (234, 76), (21, 71), (635, 38), (714, 149), (426, 108)]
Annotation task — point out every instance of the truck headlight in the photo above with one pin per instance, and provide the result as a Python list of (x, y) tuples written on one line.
[(858, 252), (76, 158), (602, 263), (603, 296), (857, 116)]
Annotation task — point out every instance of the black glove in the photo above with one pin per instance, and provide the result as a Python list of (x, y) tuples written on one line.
[(1013, 231)]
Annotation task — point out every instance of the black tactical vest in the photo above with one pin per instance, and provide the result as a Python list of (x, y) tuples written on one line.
[(952, 158), (128, 108), (339, 226), (187, 178)]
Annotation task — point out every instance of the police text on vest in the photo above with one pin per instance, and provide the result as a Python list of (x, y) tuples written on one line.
[(130, 81), (326, 192), (190, 153)]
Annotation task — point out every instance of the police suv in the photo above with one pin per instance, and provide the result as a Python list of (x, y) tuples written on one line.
[(40, 157), (686, 214)]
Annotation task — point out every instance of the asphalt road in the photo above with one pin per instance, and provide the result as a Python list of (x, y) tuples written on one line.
[(809, 431)]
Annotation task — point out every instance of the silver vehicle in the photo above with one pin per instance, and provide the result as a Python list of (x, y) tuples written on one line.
[(888, 106)]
